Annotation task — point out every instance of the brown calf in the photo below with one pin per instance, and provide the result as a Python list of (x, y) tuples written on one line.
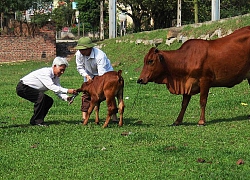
[(101, 88)]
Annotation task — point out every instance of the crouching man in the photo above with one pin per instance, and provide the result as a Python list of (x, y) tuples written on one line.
[(32, 87)]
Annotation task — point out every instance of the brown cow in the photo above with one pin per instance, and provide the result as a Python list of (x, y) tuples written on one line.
[(106, 87), (198, 65)]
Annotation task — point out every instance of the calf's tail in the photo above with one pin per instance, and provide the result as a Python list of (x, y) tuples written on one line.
[(120, 80)]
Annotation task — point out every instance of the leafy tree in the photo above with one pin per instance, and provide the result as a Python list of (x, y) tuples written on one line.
[(9, 7), (163, 12), (139, 12), (89, 14), (63, 15)]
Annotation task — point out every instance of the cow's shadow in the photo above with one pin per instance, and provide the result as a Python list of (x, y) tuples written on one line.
[(215, 121), (127, 122)]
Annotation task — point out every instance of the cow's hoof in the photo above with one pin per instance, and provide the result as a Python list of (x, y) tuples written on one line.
[(175, 124), (201, 123)]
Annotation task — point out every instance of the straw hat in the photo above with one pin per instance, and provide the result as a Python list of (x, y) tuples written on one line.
[(84, 43)]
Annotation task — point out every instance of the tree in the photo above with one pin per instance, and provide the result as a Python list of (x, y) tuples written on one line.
[(89, 14), (139, 12), (9, 7), (63, 15), (162, 12)]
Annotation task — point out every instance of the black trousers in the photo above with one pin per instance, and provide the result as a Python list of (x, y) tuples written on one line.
[(85, 102), (42, 102)]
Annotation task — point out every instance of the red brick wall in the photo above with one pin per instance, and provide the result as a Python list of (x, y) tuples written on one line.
[(40, 47)]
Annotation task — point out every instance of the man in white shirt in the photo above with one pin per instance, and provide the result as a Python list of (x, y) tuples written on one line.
[(33, 86), (90, 62)]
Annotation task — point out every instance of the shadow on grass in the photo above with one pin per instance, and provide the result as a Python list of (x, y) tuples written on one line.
[(15, 126), (215, 121), (127, 122), (233, 119)]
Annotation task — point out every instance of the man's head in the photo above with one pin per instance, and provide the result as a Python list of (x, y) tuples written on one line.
[(59, 66), (85, 46)]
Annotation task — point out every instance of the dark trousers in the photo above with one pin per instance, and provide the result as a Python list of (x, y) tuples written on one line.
[(85, 102), (42, 102)]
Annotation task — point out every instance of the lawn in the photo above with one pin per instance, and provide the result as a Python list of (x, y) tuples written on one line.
[(146, 147)]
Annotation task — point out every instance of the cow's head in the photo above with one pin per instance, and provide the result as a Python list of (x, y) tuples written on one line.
[(153, 67)]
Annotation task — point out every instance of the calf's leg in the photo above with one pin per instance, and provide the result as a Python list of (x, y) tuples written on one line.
[(121, 111), (97, 107), (112, 109), (88, 113)]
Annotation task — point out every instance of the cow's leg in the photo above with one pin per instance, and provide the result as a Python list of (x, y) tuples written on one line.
[(121, 111), (185, 100), (204, 89), (112, 109), (97, 107), (91, 107)]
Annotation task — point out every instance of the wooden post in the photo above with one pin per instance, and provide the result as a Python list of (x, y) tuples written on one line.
[(196, 11)]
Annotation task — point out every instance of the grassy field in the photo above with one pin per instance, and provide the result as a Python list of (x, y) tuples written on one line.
[(146, 147)]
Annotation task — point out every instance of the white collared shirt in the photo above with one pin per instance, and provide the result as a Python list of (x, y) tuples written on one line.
[(44, 79), (94, 65)]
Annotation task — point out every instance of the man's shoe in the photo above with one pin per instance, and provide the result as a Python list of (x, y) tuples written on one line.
[(42, 124)]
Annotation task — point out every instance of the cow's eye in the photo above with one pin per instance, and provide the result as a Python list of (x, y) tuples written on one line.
[(150, 62)]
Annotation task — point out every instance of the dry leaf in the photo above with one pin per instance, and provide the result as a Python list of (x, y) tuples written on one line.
[(240, 161), (200, 160)]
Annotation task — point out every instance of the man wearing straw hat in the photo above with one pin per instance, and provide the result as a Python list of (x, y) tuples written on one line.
[(90, 62)]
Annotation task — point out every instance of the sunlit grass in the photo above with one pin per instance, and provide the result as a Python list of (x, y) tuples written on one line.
[(146, 147)]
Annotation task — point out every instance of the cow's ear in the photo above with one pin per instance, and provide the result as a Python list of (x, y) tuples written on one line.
[(161, 58), (156, 50)]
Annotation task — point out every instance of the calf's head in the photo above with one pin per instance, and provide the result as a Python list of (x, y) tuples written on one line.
[(85, 86)]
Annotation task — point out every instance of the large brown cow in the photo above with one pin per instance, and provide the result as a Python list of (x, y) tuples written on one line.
[(106, 87), (198, 65)]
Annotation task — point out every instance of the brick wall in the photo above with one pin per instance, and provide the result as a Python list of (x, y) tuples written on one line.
[(40, 47)]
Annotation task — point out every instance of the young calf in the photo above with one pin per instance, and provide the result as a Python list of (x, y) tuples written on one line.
[(101, 88)]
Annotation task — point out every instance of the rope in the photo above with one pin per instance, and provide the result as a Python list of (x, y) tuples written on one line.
[(136, 97)]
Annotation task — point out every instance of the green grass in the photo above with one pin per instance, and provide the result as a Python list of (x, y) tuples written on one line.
[(153, 150)]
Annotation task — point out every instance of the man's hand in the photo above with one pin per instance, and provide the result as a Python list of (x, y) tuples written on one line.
[(88, 77), (72, 91)]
